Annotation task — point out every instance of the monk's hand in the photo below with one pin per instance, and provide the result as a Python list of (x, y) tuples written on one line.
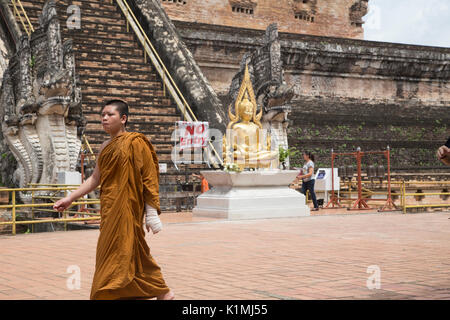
[(152, 221), (62, 204), (443, 154)]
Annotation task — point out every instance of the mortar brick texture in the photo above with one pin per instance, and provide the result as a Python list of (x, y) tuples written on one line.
[(331, 18)]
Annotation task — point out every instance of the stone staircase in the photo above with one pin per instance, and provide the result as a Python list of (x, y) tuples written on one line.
[(110, 64)]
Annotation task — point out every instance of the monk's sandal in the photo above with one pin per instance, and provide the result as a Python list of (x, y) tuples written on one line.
[(152, 219)]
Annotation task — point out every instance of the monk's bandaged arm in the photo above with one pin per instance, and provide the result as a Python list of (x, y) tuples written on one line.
[(152, 219)]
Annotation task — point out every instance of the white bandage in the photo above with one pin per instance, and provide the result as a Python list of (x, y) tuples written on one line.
[(152, 219)]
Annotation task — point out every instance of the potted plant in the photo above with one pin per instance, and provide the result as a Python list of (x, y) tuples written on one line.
[(232, 167), (285, 153)]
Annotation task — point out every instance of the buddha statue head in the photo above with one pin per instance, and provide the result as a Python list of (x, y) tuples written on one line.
[(246, 109), (245, 104)]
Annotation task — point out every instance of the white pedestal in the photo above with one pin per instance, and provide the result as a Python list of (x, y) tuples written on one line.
[(71, 178), (251, 195)]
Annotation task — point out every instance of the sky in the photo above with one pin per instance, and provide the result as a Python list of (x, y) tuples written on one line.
[(420, 22)]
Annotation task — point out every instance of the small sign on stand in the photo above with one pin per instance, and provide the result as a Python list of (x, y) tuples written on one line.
[(191, 138)]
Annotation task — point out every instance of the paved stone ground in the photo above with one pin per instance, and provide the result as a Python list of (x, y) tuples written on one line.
[(324, 256)]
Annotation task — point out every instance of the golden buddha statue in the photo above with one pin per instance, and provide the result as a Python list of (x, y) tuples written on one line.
[(244, 143)]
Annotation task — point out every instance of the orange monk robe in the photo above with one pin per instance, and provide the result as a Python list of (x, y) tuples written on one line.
[(129, 177)]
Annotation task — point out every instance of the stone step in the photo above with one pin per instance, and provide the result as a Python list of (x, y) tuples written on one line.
[(138, 110), (102, 41), (98, 137), (104, 17), (135, 108), (94, 15), (110, 57), (147, 118), (95, 25), (142, 120), (123, 91), (88, 46), (128, 36), (124, 73), (182, 172), (117, 81), (161, 128), (138, 124), (163, 155), (147, 125), (152, 90), (106, 75), (82, 63), (99, 5), (163, 150), (155, 102), (87, 9)]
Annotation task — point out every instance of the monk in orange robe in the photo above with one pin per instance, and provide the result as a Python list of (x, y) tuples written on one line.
[(128, 172)]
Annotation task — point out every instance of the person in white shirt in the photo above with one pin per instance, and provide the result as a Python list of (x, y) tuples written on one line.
[(307, 177)]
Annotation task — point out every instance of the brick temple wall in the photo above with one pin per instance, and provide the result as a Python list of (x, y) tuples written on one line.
[(338, 18), (349, 92)]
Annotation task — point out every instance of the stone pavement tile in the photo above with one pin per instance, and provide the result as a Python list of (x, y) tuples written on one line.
[(15, 294), (20, 284), (256, 297), (184, 297), (36, 290), (319, 296), (303, 297), (445, 296), (317, 257)]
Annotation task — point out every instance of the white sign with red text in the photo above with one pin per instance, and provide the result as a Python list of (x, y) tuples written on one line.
[(193, 134)]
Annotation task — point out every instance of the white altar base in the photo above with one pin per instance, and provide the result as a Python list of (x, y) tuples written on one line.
[(251, 195)]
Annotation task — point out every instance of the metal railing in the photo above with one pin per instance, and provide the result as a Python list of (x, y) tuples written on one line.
[(21, 14), (402, 186), (85, 146), (150, 51), (425, 205), (87, 156), (56, 188)]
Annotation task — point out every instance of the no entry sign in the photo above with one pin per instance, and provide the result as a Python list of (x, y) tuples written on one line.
[(193, 134)]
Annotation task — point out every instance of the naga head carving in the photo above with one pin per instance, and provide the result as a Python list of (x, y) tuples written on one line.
[(41, 105), (357, 11)]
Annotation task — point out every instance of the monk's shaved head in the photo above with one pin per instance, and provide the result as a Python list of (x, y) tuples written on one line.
[(120, 105)]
